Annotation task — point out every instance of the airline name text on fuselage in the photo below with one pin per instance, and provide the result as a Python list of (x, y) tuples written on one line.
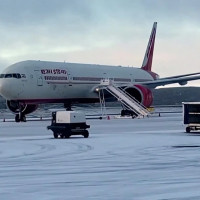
[(53, 71)]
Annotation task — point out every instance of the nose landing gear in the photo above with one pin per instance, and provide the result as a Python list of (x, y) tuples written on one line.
[(20, 117)]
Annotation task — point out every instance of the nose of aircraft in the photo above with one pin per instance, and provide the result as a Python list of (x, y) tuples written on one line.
[(2, 87), (5, 88)]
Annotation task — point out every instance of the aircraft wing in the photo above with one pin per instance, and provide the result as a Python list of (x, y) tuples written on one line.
[(180, 79), (184, 75)]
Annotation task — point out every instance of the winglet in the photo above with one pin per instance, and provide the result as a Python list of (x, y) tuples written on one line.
[(147, 62)]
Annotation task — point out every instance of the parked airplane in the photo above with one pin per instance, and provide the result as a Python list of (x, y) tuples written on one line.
[(26, 84)]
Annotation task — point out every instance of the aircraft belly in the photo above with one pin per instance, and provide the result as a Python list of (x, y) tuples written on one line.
[(75, 91)]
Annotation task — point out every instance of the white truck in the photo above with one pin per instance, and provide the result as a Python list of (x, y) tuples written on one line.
[(191, 116), (67, 123)]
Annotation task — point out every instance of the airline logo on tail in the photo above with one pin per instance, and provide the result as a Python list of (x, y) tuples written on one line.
[(148, 58)]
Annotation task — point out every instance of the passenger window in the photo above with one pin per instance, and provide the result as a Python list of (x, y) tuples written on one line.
[(2, 75)]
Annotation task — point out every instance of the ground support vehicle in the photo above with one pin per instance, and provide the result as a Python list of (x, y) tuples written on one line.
[(67, 123), (191, 116)]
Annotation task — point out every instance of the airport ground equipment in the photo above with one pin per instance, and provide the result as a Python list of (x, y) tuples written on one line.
[(67, 123), (129, 102), (191, 116)]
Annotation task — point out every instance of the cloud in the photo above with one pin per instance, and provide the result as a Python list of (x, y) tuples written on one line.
[(100, 31)]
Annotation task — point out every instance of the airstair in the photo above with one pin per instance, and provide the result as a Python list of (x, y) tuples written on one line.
[(127, 100)]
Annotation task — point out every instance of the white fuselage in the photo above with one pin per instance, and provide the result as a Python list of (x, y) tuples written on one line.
[(42, 81)]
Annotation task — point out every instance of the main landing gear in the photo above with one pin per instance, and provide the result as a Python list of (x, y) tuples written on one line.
[(126, 112)]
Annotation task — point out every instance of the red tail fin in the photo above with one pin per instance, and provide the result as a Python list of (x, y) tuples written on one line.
[(147, 62)]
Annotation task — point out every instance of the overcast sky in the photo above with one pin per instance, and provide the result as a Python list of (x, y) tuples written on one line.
[(113, 32)]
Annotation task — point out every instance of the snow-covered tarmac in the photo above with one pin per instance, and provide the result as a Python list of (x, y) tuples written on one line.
[(141, 159)]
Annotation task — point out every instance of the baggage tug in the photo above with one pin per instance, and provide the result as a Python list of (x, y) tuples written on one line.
[(67, 123)]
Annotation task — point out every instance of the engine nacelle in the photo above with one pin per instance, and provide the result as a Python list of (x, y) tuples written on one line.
[(16, 107), (141, 93)]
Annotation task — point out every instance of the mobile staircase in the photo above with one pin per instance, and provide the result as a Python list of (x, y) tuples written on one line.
[(127, 100)]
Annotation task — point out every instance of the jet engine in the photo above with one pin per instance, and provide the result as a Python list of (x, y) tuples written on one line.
[(141, 93), (17, 107)]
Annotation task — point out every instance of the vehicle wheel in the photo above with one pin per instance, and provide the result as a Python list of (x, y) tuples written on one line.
[(61, 135), (67, 136), (17, 119), (55, 135), (86, 134), (188, 129)]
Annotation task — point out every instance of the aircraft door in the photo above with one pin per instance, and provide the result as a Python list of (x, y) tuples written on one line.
[(39, 78), (70, 78)]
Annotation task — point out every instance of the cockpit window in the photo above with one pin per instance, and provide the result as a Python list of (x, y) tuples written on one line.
[(8, 76), (16, 75)]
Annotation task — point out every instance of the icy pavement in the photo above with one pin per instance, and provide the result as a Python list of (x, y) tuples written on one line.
[(140, 159)]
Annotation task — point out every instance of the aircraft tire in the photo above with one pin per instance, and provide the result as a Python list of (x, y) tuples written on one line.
[(86, 134), (17, 119), (55, 135), (23, 118)]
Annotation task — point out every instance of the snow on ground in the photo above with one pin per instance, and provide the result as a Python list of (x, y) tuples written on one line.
[(150, 158)]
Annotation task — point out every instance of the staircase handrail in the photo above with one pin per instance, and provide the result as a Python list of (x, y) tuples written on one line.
[(130, 98)]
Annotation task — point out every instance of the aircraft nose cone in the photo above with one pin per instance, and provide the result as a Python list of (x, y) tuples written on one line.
[(4, 89), (1, 87)]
